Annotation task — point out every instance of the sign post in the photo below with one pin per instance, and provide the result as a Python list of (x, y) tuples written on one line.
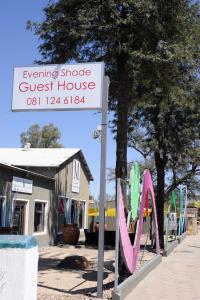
[(102, 189), (68, 87)]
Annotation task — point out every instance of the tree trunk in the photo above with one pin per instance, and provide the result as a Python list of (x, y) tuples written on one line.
[(160, 195), (122, 122), (121, 141)]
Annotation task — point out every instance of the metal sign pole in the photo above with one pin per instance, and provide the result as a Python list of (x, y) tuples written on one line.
[(117, 236), (102, 188)]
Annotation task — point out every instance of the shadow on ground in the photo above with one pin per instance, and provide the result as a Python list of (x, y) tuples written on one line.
[(193, 246), (88, 275), (48, 263), (75, 291)]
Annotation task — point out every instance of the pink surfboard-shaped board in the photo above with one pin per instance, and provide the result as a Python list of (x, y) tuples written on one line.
[(130, 253)]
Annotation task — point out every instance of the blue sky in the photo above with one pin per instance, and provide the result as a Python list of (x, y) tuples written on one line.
[(19, 48)]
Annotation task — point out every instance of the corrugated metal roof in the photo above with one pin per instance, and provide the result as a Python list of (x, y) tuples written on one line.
[(36, 157), (39, 157)]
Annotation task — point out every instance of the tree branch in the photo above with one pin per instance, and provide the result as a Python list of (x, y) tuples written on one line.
[(184, 179)]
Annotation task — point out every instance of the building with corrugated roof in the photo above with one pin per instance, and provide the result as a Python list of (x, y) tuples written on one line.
[(70, 174)]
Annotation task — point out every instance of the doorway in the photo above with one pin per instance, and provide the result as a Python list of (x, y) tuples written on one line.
[(19, 217)]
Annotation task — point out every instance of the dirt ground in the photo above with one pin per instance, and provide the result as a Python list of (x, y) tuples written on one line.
[(60, 284)]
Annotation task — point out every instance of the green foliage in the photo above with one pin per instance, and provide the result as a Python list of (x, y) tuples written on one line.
[(46, 137), (97, 30), (151, 51), (166, 120), (108, 31)]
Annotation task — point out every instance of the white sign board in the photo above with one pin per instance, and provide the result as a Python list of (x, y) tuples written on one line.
[(76, 176), (22, 185), (58, 87)]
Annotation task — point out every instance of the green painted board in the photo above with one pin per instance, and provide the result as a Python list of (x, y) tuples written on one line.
[(135, 189)]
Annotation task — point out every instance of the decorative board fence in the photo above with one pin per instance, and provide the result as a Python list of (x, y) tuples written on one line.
[(175, 219), (130, 253)]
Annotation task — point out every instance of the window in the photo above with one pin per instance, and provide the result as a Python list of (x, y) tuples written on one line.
[(39, 216)]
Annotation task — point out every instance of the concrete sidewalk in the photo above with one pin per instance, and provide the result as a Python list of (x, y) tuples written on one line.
[(176, 278)]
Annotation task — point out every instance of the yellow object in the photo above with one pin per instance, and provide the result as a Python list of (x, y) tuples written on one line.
[(93, 212), (147, 213), (197, 204), (111, 212)]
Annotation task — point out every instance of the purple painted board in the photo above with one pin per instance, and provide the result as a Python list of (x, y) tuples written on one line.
[(130, 252)]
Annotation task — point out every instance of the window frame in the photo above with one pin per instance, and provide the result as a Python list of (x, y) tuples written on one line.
[(46, 208), (26, 216)]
